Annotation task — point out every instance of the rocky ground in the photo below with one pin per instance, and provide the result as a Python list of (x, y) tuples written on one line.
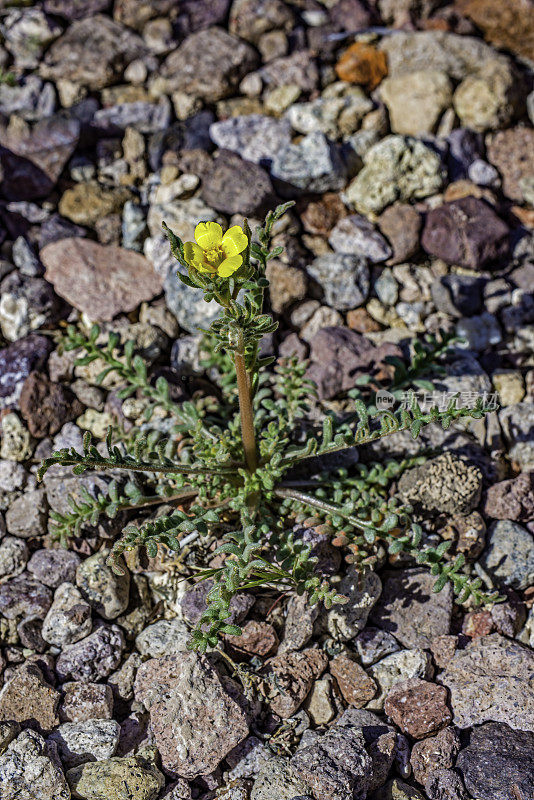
[(410, 153)]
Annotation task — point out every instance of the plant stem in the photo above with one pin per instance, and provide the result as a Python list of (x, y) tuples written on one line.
[(245, 410), (327, 508)]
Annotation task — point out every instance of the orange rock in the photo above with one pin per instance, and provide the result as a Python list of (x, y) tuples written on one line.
[(362, 63)]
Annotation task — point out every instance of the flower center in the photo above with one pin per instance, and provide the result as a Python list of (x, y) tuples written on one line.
[(214, 256)]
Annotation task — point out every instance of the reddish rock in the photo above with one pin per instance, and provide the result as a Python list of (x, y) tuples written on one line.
[(100, 281), (466, 233), (359, 320), (511, 152), (294, 674), (401, 225), (477, 623), (354, 683), (507, 25), (418, 707), (320, 216), (46, 406), (27, 698), (512, 499), (436, 752), (257, 639), (196, 718), (83, 701), (443, 649), (362, 64)]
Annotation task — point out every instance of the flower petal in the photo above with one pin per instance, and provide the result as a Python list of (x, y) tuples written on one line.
[(229, 266), (193, 254), (208, 234), (234, 241)]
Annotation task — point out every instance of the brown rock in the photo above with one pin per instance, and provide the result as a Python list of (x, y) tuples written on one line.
[(294, 674), (83, 701), (195, 717), (235, 186), (477, 623), (257, 639), (436, 752), (28, 699), (320, 216), (512, 499), (468, 531), (359, 320), (401, 225), (88, 203), (418, 707), (354, 683), (287, 284), (511, 152), (443, 649), (508, 25), (363, 64), (46, 406), (100, 281)]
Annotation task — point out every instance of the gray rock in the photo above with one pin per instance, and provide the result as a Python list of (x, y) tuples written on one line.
[(509, 554), (398, 667), (13, 557), (490, 680), (94, 657), (104, 590), (24, 597), (30, 98), (27, 517), (498, 763), (166, 637), (517, 425), (248, 759), (16, 362), (29, 768), (277, 779), (480, 332), (374, 644), (386, 287), (79, 742), (234, 186), (345, 621), (356, 235), (254, 137), (344, 278), (312, 165), (27, 33), (457, 295), (397, 167), (336, 766), (68, 619), (445, 784), (410, 610), (143, 116)]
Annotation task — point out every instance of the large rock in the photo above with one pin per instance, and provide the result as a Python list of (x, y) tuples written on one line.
[(195, 717), (410, 610), (98, 280), (491, 680), (511, 152), (94, 657), (445, 483), (27, 698), (396, 168), (30, 769), (418, 707), (509, 554), (465, 232), (134, 777), (92, 740), (209, 64), (489, 99), (254, 137), (92, 52), (416, 101), (508, 26), (498, 763), (32, 161), (511, 499)]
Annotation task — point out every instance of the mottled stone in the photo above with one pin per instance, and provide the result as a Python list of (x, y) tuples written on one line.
[(30, 769), (13, 557), (27, 698), (94, 657), (489, 680), (195, 718), (362, 592), (85, 701), (356, 235), (398, 667), (445, 483), (234, 186), (93, 740), (68, 619), (277, 778), (498, 763), (294, 673), (434, 753), (17, 360), (24, 597), (256, 639), (135, 777), (511, 152), (312, 165), (354, 683), (509, 554), (54, 567), (166, 637), (343, 277), (418, 707)]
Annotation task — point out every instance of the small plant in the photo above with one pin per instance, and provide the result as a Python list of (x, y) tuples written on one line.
[(250, 471)]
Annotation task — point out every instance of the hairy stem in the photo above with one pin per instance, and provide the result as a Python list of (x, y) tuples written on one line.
[(314, 502), (245, 410)]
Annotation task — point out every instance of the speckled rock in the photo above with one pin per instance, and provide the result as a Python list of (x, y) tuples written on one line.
[(54, 567), (94, 657), (166, 637), (104, 590), (410, 610), (434, 753), (27, 515), (29, 769), (278, 778), (13, 557), (490, 681), (254, 137), (312, 165), (418, 707), (373, 644), (344, 279), (132, 778), (509, 554), (345, 621), (354, 683), (27, 698), (93, 740), (195, 718), (356, 235), (445, 483), (397, 168), (496, 759), (85, 701), (398, 667), (24, 597), (511, 152), (294, 673), (511, 499), (68, 619)]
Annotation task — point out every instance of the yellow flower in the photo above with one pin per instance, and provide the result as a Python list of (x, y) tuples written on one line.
[(214, 253)]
